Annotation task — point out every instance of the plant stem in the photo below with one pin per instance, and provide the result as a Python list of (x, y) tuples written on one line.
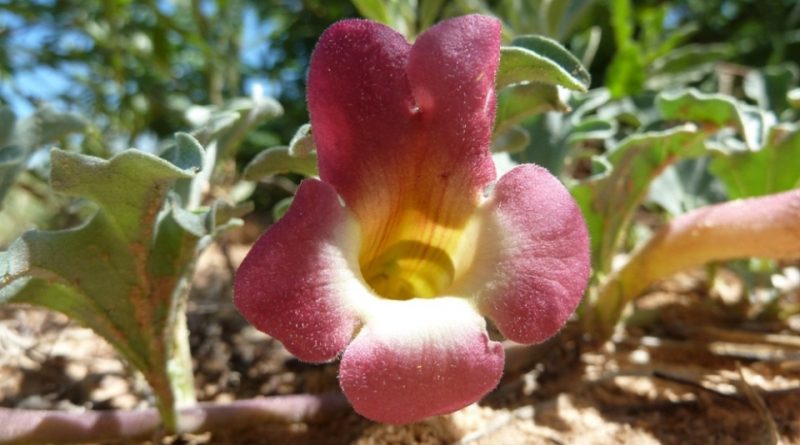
[(18, 426), (767, 227)]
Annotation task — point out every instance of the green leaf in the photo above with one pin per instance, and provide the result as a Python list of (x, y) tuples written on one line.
[(593, 129), (550, 147), (428, 12), (769, 86), (399, 15), (686, 186), (281, 207), (563, 15), (373, 10), (229, 125), (690, 58), (626, 74), (186, 154), (772, 169), (717, 110), (252, 112), (126, 272), (539, 59), (130, 187), (302, 143), (685, 65), (279, 160), (518, 102), (609, 200), (622, 22), (513, 140), (11, 157)]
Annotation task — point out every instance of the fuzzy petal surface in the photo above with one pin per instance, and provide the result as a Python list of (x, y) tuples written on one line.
[(402, 133), (532, 260), (293, 281), (419, 358)]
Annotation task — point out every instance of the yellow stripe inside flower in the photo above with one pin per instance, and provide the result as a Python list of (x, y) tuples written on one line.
[(417, 257)]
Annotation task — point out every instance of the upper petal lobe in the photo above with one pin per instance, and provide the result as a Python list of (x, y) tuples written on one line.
[(403, 131)]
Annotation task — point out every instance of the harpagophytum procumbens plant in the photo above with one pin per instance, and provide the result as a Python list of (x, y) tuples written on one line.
[(394, 255)]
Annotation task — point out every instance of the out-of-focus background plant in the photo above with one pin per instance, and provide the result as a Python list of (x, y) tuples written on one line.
[(647, 110)]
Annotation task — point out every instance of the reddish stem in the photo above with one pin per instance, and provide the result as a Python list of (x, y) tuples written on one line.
[(19, 426)]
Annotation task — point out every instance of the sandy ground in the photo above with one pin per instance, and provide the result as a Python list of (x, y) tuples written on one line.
[(698, 364)]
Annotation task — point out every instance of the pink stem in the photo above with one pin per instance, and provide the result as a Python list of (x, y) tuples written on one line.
[(766, 227), (19, 426)]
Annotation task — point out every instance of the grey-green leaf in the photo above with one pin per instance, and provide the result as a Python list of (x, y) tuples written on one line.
[(302, 143), (518, 102), (278, 160), (125, 272), (718, 110), (186, 154), (539, 59), (130, 187), (772, 169), (609, 201), (513, 140)]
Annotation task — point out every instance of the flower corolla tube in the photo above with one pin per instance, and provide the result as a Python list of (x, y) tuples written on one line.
[(393, 258)]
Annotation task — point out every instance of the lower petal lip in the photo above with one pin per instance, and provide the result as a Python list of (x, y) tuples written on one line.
[(419, 358)]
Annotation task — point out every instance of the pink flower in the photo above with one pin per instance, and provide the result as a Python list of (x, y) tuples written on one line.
[(394, 257)]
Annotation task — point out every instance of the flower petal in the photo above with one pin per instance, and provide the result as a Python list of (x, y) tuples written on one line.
[(452, 69), (532, 259), (403, 135), (418, 358), (361, 107), (294, 281)]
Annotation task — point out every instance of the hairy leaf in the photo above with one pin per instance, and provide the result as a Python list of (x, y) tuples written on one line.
[(609, 200), (279, 160), (518, 102), (539, 59), (124, 272), (717, 110), (772, 169)]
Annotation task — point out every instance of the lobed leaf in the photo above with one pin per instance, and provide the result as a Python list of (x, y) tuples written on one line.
[(540, 59), (717, 110), (279, 160), (299, 157), (772, 169), (609, 200), (125, 272)]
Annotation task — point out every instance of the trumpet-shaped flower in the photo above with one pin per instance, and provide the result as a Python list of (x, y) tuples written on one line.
[(395, 256)]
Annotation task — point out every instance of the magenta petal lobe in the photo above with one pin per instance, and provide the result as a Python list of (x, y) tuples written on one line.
[(532, 263), (420, 358), (294, 282), (452, 69)]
